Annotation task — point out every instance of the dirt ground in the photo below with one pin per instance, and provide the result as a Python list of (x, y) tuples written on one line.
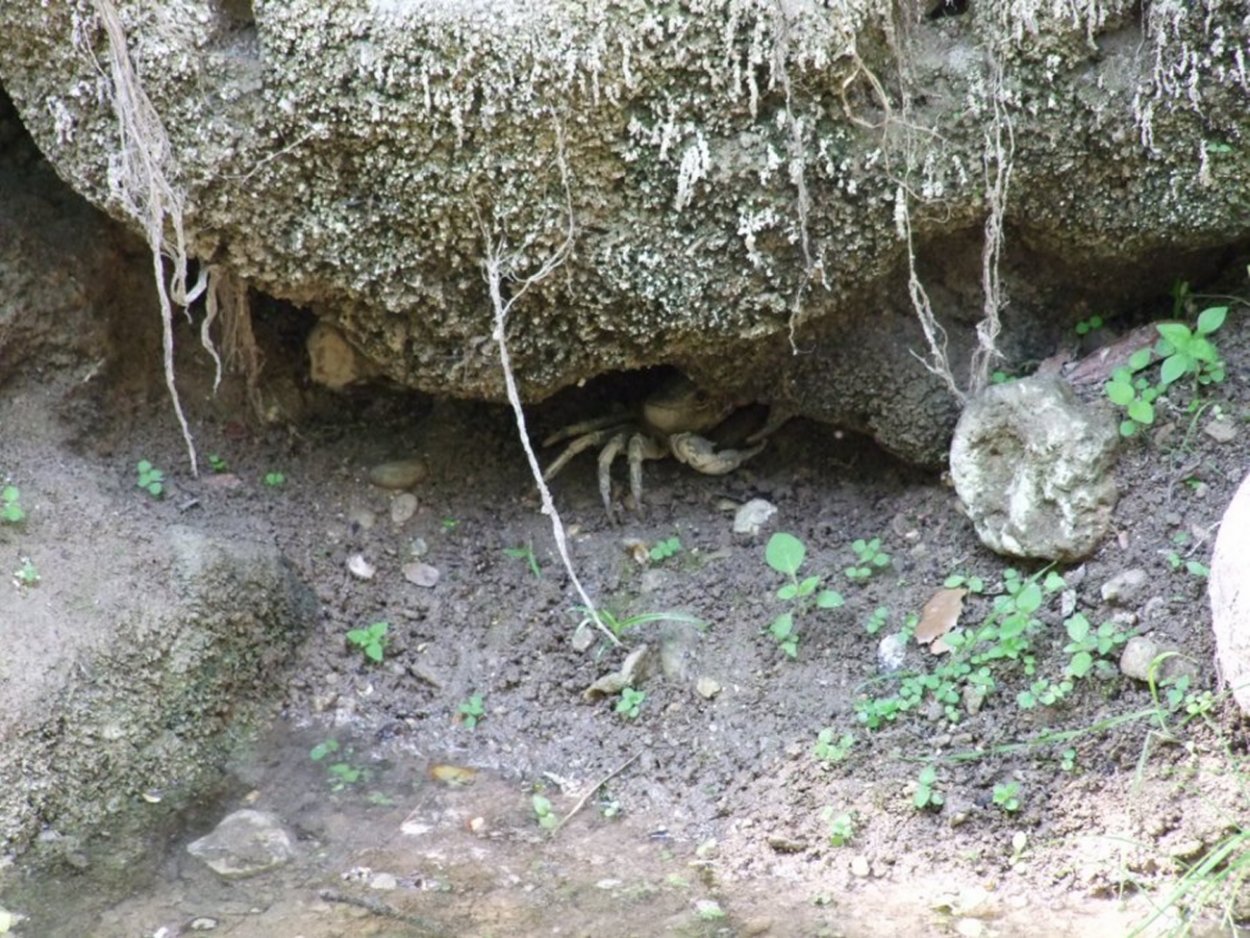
[(720, 810)]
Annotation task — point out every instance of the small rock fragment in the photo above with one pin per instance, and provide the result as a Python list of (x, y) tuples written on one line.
[(360, 568), (244, 844), (752, 516), (1141, 652), (383, 882), (421, 574), (203, 923), (891, 652), (399, 474), (403, 507), (1221, 429), (860, 866), (1126, 587), (707, 687)]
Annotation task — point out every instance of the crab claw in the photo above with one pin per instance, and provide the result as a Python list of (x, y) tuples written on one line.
[(700, 455)]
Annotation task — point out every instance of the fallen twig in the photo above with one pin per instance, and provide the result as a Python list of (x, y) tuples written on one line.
[(599, 784)]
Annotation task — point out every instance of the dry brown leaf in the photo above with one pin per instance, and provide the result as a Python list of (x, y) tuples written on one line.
[(451, 774), (939, 615)]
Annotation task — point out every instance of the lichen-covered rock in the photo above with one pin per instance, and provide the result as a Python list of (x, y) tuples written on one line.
[(1230, 596), (742, 180), (1032, 465)]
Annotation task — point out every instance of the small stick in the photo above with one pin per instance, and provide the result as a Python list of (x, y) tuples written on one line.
[(380, 908), (599, 784)]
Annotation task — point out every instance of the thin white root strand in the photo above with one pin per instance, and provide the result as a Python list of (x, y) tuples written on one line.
[(497, 266)]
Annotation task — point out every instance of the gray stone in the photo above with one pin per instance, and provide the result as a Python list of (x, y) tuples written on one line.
[(1229, 592), (398, 474), (1140, 654), (245, 843), (726, 214), (1126, 587), (753, 515), (1032, 465)]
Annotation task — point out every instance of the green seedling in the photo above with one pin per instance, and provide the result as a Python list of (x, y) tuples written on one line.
[(1190, 353), (450, 524), (927, 797), (870, 559), (619, 626), (471, 712), (1133, 392), (664, 549), (630, 704), (217, 464), (1090, 648), (1067, 760), (1006, 797), (973, 584), (525, 553), (1000, 377), (275, 479), (26, 574), (544, 813), (342, 774), (829, 749), (877, 620), (371, 640), (785, 553), (1043, 693), (1193, 567), (841, 828), (1003, 639), (1086, 326), (11, 505), (150, 479)]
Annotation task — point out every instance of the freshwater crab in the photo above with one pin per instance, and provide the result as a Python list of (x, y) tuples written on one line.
[(669, 423)]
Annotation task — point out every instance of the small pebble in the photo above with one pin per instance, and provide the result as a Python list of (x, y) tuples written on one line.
[(383, 881), (1125, 588), (203, 923), (891, 652), (1222, 430), (752, 516), (360, 568), (707, 687), (403, 507), (400, 474), (860, 866), (421, 574)]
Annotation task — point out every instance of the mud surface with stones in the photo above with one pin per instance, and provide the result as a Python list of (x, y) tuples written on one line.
[(719, 816)]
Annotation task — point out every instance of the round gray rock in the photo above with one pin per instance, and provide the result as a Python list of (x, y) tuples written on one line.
[(244, 844), (1032, 465)]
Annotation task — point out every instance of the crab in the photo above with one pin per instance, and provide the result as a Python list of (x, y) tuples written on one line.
[(669, 423)]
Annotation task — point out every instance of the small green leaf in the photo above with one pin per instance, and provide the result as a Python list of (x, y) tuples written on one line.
[(808, 585), (1140, 359), (1211, 319), (1141, 412), (1081, 664), (1120, 393), (1176, 334), (1029, 599), (1174, 367), (784, 553), (788, 592), (829, 599), (782, 627)]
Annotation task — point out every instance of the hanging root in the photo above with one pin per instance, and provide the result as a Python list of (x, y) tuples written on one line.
[(498, 266), (140, 174)]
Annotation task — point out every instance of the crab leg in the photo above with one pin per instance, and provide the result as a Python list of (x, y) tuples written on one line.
[(641, 447), (586, 426), (579, 445), (613, 448)]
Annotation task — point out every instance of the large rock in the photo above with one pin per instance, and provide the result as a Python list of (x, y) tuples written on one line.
[(736, 171), (127, 673), (1230, 596), (1033, 467)]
